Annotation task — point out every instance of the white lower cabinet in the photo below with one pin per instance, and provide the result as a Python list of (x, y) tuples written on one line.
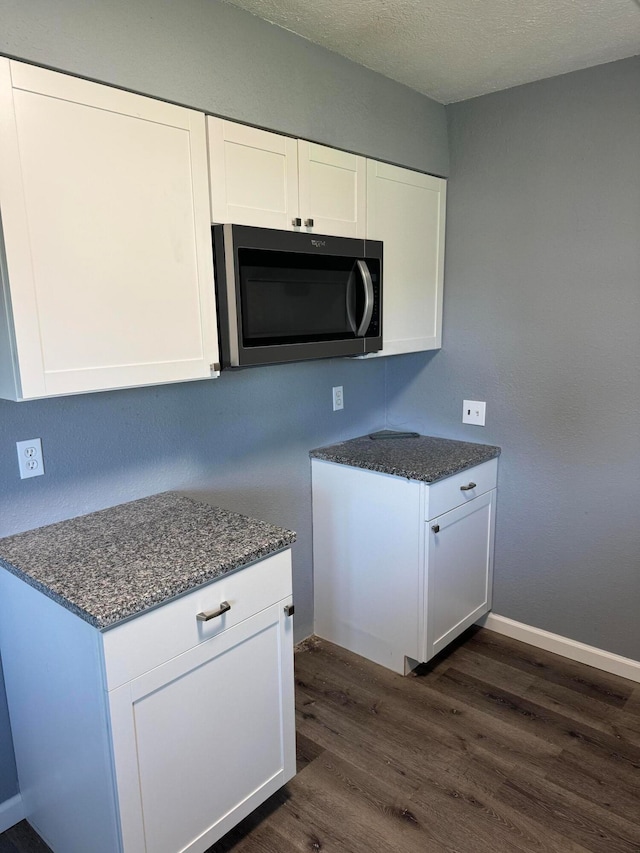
[(459, 561), (187, 724), (200, 741), (401, 568)]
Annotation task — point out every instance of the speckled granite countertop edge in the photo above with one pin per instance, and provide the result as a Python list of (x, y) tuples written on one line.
[(121, 616), (112, 565), (426, 459)]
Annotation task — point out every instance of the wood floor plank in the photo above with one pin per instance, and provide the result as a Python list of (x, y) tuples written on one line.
[(454, 724), (632, 705), (605, 687), (252, 834), (23, 839), (372, 746), (307, 751), (597, 782), (579, 817), (462, 805), (488, 668), (553, 725), (492, 747), (572, 816), (256, 838), (336, 807), (554, 694)]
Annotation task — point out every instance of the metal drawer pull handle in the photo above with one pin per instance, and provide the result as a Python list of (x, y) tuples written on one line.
[(296, 222), (289, 609), (436, 528), (467, 488), (211, 614), (309, 223)]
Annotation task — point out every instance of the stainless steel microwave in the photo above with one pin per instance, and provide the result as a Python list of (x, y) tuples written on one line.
[(289, 296)]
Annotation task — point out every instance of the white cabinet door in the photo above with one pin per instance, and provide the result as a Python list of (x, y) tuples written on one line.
[(253, 174), (273, 181), (200, 741), (459, 564), (332, 190), (406, 210), (109, 276)]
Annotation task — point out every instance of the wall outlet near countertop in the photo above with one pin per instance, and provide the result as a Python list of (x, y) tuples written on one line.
[(30, 458), (338, 398), (473, 412)]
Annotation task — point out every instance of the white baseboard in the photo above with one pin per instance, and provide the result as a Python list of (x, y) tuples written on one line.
[(11, 812), (590, 655)]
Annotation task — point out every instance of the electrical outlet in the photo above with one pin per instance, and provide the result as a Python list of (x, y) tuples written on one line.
[(30, 458), (473, 412), (338, 398)]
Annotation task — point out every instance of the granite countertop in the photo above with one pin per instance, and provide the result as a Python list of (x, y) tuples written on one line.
[(118, 562), (424, 458)]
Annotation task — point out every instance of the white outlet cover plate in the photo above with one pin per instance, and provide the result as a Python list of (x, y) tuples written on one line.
[(473, 412), (30, 458), (338, 398)]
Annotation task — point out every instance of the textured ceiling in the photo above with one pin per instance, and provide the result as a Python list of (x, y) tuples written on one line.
[(456, 49)]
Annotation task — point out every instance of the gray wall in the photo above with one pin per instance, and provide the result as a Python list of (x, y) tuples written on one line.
[(542, 320), (222, 60), (242, 440)]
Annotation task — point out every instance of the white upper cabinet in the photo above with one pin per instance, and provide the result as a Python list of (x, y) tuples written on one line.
[(254, 175), (108, 278), (332, 190), (265, 179), (406, 210)]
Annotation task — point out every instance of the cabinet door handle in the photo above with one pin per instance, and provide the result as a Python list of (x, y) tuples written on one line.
[(297, 222), (289, 609), (436, 528), (309, 223), (211, 614), (467, 488)]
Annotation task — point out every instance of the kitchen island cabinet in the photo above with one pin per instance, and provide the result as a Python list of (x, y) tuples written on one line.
[(107, 272), (160, 731), (403, 533)]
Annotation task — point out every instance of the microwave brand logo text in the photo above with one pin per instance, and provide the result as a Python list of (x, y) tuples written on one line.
[(318, 243)]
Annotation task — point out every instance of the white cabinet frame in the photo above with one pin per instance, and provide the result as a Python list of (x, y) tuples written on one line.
[(161, 733), (387, 585), (265, 179), (107, 267), (407, 211), (200, 740)]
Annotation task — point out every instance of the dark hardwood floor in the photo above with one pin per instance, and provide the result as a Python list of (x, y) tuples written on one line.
[(494, 747)]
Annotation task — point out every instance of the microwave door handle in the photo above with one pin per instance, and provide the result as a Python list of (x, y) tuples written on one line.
[(350, 302), (368, 299)]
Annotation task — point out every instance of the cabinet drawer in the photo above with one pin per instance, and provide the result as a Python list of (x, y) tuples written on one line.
[(157, 636), (452, 492)]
